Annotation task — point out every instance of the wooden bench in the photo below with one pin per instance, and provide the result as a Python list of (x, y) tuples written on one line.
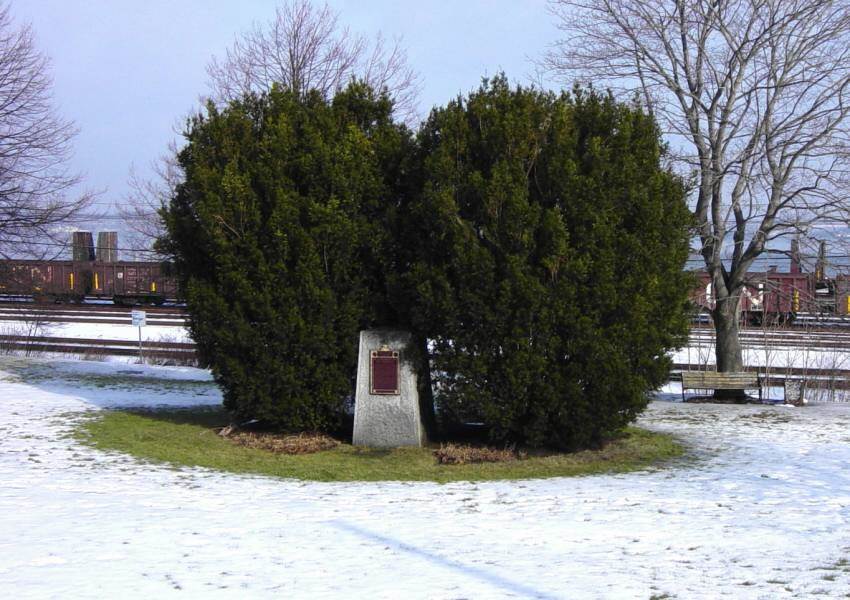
[(712, 380)]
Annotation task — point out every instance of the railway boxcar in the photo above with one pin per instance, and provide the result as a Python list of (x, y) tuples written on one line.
[(56, 278), (842, 295), (133, 282), (122, 282), (781, 296), (770, 296)]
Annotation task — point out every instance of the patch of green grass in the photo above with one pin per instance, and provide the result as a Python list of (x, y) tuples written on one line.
[(186, 437)]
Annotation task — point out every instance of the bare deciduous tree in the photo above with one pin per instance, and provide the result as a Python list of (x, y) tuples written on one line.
[(755, 92), (303, 49), (35, 144)]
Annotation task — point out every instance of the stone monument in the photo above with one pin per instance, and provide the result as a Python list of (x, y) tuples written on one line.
[(386, 409)]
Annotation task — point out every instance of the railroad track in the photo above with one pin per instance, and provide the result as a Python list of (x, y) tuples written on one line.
[(90, 313), (182, 352), (804, 321), (186, 353), (92, 306), (782, 338)]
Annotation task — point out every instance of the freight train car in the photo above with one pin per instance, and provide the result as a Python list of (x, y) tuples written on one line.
[(842, 295), (123, 282), (773, 297)]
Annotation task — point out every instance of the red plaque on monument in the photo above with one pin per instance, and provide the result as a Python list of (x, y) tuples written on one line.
[(384, 372)]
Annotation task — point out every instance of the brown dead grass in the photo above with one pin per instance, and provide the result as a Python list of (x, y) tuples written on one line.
[(281, 443), (462, 454)]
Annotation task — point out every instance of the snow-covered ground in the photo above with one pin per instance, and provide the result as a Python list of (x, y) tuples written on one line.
[(99, 331), (777, 357), (697, 352), (760, 508)]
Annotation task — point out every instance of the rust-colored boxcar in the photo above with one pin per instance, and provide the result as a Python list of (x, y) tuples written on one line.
[(65, 280), (767, 295), (784, 294), (842, 295)]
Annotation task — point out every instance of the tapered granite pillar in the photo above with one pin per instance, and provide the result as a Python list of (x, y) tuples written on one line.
[(386, 410)]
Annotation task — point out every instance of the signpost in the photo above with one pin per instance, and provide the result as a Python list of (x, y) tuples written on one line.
[(139, 321)]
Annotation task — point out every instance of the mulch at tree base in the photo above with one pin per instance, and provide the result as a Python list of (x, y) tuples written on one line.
[(281, 443)]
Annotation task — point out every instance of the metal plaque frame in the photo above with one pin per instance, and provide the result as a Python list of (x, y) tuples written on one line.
[(384, 372)]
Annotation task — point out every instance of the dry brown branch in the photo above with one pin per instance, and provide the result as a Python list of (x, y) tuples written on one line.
[(141, 207)]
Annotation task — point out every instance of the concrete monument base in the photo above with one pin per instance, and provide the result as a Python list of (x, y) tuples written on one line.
[(386, 408)]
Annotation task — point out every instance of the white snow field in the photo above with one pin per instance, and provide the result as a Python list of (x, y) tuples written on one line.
[(100, 331), (760, 508)]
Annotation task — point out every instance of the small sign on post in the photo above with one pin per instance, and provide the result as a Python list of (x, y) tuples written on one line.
[(139, 321), (138, 318)]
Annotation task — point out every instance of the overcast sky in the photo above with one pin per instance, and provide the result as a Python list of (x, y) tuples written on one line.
[(127, 72)]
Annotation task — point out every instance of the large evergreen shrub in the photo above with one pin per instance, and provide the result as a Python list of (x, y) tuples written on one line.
[(281, 234), (546, 254), (535, 239)]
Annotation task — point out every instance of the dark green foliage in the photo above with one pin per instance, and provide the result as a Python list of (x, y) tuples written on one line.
[(534, 238), (545, 263), (280, 233)]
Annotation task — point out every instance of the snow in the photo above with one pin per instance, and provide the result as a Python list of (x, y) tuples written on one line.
[(106, 331), (98, 331), (699, 351), (776, 357), (760, 506)]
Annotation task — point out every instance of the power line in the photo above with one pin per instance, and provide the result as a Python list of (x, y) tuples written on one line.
[(70, 245)]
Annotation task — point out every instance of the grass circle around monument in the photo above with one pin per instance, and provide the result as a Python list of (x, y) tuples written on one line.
[(188, 437)]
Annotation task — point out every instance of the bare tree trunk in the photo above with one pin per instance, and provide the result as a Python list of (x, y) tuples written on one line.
[(728, 349), (426, 395), (728, 344)]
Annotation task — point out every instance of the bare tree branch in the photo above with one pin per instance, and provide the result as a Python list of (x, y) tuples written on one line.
[(35, 145), (140, 210), (303, 49)]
